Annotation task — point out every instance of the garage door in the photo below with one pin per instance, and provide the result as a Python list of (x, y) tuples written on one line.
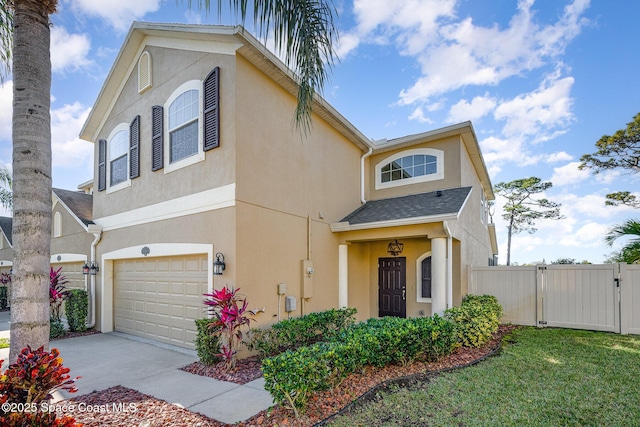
[(72, 271), (159, 298)]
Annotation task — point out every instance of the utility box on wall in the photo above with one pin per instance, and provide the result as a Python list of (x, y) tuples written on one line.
[(307, 278), (290, 304)]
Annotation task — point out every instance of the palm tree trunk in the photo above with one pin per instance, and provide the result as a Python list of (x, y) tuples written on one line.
[(31, 175)]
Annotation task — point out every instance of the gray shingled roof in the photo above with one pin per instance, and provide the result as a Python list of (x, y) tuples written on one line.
[(6, 223), (79, 203), (413, 206)]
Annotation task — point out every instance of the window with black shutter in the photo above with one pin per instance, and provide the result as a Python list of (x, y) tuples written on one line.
[(426, 277), (211, 113), (157, 140), (102, 165), (134, 148)]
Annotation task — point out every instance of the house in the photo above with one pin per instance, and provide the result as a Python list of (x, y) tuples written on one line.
[(197, 163), (71, 213), (6, 244)]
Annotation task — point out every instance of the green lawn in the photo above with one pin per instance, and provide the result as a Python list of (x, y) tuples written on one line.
[(543, 377)]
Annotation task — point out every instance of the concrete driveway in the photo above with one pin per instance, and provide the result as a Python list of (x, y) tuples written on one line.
[(107, 360)]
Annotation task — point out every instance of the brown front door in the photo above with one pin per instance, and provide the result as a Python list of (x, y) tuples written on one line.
[(392, 287)]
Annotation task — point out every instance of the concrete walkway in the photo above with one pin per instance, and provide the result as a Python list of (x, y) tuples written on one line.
[(107, 360)]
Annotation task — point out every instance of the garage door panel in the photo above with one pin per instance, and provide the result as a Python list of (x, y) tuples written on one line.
[(159, 298)]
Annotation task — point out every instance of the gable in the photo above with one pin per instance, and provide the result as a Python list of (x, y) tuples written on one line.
[(200, 39)]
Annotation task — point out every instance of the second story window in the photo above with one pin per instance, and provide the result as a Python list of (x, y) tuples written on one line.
[(410, 167), (183, 126), (187, 125), (118, 158)]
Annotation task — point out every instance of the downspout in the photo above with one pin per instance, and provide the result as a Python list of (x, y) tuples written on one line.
[(449, 264), (364, 156), (96, 230)]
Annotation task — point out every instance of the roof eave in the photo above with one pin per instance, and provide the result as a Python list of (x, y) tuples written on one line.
[(249, 47), (339, 227)]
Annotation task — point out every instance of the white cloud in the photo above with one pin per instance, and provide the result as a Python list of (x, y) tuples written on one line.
[(497, 151), (568, 174), (418, 114), (68, 150), (464, 54), (6, 110), (118, 13), (69, 51), (560, 156), (540, 112), (477, 108)]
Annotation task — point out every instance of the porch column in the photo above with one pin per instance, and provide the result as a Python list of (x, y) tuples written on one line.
[(343, 276), (438, 275)]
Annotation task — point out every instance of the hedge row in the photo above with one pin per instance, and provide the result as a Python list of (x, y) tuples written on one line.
[(291, 334), (290, 377)]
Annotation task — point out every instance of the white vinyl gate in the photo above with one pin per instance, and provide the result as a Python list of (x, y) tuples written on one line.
[(583, 296)]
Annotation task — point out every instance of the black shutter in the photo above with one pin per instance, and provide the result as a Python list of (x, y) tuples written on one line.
[(211, 114), (134, 148), (157, 140), (102, 164)]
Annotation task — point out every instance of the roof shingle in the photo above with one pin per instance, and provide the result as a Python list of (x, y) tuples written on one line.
[(412, 206)]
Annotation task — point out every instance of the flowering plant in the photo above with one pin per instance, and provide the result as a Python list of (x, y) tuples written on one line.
[(57, 292), (228, 310)]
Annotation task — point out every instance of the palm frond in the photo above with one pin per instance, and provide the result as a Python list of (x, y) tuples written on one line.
[(6, 39), (630, 227), (304, 31), (6, 186)]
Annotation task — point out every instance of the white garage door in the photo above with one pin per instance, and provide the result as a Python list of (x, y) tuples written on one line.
[(159, 298), (72, 271)]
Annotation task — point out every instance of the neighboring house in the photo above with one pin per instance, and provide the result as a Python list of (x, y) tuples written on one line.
[(197, 161), (72, 214), (6, 244)]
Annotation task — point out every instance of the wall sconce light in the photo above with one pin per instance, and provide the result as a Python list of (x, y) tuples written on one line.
[(395, 248), (91, 269), (218, 264)]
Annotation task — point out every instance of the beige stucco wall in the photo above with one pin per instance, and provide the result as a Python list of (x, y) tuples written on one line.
[(284, 181), (171, 68), (451, 147), (6, 252), (74, 238)]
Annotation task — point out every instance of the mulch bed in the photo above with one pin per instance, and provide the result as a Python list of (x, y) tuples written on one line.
[(151, 412)]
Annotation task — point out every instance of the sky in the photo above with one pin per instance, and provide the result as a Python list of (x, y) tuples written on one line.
[(541, 81)]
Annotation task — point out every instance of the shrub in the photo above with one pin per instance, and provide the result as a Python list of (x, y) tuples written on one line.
[(228, 310), (207, 345), (292, 375), (32, 380), (76, 310), (3, 297), (56, 329), (476, 319), (290, 334)]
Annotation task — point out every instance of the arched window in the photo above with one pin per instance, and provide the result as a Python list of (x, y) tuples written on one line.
[(119, 157), (144, 72), (410, 167), (57, 225), (423, 269), (183, 124)]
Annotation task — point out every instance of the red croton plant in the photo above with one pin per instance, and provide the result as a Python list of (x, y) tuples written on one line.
[(228, 309), (29, 383)]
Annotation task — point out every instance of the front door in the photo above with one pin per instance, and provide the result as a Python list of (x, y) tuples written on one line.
[(392, 287)]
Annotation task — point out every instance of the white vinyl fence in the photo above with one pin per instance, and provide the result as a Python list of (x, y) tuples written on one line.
[(593, 297)]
